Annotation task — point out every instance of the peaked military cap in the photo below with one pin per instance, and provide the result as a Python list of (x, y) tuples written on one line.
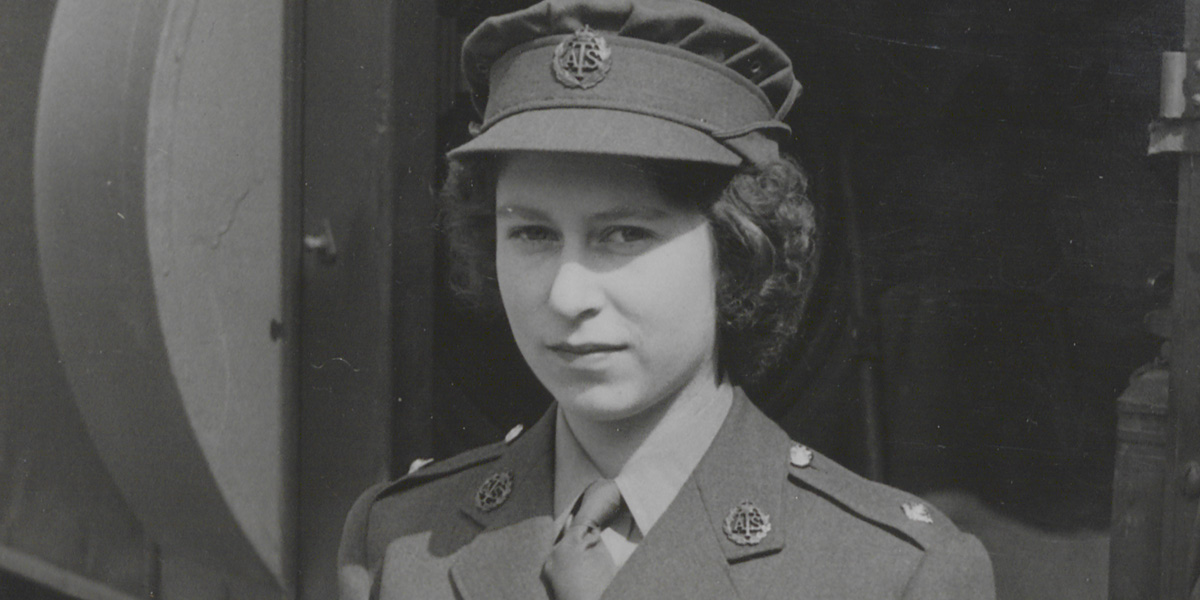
[(659, 79)]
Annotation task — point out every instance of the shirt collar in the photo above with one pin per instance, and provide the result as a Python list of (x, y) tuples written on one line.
[(652, 477)]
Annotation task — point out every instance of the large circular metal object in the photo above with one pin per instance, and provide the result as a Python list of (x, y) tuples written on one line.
[(159, 220)]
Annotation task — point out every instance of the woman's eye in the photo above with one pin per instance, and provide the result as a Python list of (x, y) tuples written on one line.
[(626, 234), (532, 234)]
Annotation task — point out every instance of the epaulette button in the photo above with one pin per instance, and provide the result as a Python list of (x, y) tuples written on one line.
[(513, 433), (417, 464), (916, 511), (801, 456)]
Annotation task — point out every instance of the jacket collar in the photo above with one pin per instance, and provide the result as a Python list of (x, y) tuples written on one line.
[(530, 461), (652, 476), (747, 461)]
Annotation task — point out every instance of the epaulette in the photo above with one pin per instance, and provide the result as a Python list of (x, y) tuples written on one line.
[(900, 513), (424, 473)]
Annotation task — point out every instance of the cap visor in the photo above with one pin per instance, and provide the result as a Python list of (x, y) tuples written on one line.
[(598, 131)]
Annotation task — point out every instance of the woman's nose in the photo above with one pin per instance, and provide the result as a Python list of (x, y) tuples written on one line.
[(575, 292)]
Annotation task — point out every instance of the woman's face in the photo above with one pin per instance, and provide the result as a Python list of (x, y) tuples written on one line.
[(609, 288)]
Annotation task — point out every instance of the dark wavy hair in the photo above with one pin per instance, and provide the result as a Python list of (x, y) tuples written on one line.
[(763, 223)]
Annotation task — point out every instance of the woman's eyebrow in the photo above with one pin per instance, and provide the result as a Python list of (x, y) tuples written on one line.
[(524, 212), (635, 212), (614, 214)]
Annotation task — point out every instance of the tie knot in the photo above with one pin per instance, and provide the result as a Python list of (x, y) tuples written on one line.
[(599, 505)]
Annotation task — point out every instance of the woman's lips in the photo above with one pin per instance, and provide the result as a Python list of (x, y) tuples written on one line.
[(585, 349), (590, 355)]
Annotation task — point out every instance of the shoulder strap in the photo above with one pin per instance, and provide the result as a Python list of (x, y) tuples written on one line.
[(442, 468), (904, 515)]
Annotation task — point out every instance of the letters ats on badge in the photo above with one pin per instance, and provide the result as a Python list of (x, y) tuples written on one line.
[(746, 525), (582, 60)]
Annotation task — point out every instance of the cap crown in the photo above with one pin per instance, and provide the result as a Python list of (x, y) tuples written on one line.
[(688, 25), (656, 79)]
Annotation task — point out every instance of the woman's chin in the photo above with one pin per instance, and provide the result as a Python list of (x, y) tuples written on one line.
[(601, 404)]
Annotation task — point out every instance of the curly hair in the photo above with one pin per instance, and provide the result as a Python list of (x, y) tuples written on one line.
[(763, 223)]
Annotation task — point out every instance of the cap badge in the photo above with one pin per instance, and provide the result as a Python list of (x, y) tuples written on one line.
[(746, 525), (917, 512), (801, 456), (582, 60), (493, 491)]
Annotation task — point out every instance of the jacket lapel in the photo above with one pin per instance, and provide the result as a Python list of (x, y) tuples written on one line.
[(678, 559), (687, 554), (747, 462), (505, 559)]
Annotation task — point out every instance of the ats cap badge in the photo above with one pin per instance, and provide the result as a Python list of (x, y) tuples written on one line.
[(493, 491), (582, 60), (746, 525)]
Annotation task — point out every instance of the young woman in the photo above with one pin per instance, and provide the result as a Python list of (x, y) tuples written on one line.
[(624, 202)]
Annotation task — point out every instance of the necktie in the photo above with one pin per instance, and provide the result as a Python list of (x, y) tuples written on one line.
[(580, 566)]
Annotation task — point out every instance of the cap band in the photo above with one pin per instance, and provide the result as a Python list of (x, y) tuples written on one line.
[(645, 78)]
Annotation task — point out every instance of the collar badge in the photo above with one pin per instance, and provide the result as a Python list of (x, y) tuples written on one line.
[(493, 491), (917, 512), (582, 60), (746, 525)]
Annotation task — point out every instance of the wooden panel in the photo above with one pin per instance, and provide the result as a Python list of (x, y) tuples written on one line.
[(370, 115), (1181, 516), (1181, 519), (416, 102), (346, 393)]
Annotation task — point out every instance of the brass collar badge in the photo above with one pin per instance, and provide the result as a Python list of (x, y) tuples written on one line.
[(746, 525), (494, 491)]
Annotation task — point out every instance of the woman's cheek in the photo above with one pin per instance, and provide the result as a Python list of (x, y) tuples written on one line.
[(520, 295)]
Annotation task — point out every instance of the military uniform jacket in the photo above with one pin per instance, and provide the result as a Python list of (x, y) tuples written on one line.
[(831, 533)]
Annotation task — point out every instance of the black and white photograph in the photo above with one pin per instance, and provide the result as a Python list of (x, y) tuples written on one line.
[(599, 299)]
